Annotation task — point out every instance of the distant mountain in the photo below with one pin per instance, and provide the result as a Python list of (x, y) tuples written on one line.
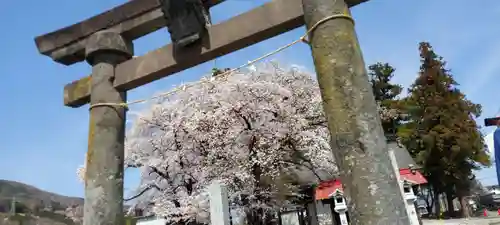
[(32, 195), (35, 206)]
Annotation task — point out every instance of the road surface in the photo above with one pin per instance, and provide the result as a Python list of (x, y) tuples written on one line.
[(471, 221)]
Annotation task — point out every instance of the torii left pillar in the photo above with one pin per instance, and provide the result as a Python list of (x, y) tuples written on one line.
[(104, 172)]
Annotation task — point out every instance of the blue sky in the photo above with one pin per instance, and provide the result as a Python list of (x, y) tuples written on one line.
[(42, 142)]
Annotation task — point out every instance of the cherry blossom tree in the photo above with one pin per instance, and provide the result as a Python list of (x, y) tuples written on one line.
[(260, 132)]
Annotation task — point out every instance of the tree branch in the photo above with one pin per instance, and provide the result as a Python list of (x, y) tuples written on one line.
[(149, 187)]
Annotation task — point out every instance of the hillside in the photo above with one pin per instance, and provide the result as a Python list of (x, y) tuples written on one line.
[(35, 206), (31, 195)]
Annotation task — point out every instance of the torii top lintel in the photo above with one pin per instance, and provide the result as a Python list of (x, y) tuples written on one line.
[(133, 19), (261, 23)]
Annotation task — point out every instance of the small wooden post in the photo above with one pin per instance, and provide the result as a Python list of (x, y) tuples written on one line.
[(219, 206), (358, 141), (104, 173)]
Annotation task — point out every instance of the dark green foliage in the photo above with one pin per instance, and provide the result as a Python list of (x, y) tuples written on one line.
[(21, 208), (435, 122), (380, 78), (386, 95), (441, 131), (55, 217), (217, 71), (6, 206)]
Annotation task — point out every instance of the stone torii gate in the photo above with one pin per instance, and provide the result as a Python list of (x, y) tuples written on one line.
[(105, 42)]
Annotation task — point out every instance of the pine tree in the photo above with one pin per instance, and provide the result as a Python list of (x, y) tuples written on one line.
[(441, 132), (386, 95)]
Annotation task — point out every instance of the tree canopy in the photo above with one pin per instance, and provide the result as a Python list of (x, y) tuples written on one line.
[(441, 131), (386, 95), (262, 134), (435, 121)]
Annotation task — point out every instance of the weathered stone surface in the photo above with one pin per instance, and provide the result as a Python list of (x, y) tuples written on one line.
[(133, 20), (358, 142), (59, 38), (108, 41), (105, 156), (257, 25), (131, 29), (78, 94)]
